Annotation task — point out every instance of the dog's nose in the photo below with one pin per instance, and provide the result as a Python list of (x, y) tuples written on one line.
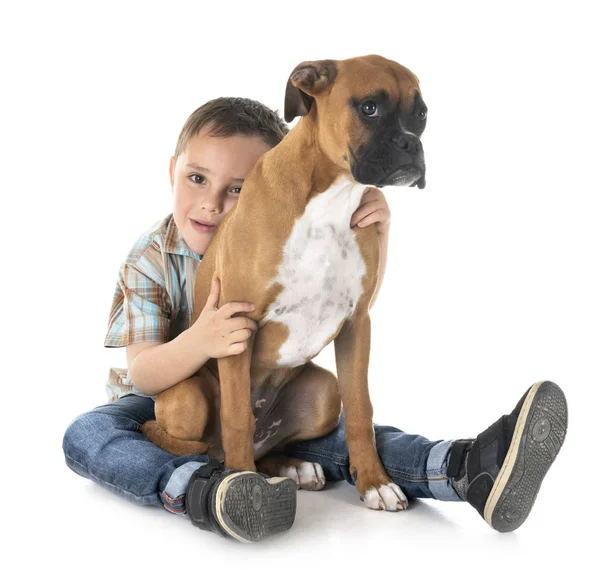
[(408, 143)]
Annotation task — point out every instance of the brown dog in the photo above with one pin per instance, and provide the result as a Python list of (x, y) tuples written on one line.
[(287, 247)]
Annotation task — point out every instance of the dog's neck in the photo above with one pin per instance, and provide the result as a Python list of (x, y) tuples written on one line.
[(285, 181), (308, 170)]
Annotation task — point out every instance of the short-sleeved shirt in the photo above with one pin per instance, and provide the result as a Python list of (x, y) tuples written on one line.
[(153, 299)]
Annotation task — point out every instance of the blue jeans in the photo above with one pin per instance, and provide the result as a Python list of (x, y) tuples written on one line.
[(106, 446)]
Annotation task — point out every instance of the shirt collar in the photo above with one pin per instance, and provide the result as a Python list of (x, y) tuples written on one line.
[(174, 242)]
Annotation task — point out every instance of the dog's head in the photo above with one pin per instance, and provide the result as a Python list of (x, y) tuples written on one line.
[(369, 116)]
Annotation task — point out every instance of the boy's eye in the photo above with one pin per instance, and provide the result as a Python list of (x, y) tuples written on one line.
[(238, 188), (197, 178)]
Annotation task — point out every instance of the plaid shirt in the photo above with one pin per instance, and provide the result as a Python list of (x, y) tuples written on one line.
[(153, 300)]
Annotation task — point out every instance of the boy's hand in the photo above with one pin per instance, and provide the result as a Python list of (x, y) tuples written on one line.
[(373, 209), (218, 333)]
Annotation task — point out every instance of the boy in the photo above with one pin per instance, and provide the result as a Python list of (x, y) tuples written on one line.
[(499, 472)]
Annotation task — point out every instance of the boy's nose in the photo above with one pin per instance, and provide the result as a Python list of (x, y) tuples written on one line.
[(213, 206)]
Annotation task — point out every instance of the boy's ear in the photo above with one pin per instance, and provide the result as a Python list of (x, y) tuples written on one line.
[(172, 171), (308, 79)]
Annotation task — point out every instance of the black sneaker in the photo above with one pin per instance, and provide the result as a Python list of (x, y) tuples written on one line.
[(242, 504), (505, 464)]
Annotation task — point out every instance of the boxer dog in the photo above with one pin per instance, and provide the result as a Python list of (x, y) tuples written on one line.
[(287, 247)]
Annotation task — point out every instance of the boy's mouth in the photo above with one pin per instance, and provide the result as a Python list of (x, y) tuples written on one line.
[(202, 226)]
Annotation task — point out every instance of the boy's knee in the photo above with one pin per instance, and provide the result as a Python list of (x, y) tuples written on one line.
[(77, 434), (91, 431)]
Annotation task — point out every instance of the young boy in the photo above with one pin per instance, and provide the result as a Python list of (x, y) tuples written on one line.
[(499, 472)]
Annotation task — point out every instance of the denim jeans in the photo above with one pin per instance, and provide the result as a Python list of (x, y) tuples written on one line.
[(106, 446)]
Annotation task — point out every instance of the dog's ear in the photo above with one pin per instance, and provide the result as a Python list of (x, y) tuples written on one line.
[(308, 79)]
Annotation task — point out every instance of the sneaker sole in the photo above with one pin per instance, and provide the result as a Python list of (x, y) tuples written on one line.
[(250, 508), (539, 434)]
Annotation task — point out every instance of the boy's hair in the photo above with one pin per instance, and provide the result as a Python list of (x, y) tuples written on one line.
[(228, 116)]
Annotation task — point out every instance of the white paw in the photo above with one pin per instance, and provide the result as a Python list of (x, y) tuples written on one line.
[(307, 475), (388, 497)]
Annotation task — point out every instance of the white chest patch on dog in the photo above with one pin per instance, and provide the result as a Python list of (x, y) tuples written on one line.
[(321, 273)]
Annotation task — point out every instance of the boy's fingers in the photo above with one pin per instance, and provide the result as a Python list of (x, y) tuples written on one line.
[(236, 307), (213, 296), (240, 323), (238, 347)]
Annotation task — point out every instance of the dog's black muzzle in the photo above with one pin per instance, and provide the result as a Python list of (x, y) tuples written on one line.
[(399, 161)]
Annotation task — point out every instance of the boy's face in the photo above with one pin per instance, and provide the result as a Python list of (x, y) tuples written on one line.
[(206, 180)]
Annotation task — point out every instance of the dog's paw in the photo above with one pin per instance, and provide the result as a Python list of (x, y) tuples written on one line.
[(307, 475), (388, 497)]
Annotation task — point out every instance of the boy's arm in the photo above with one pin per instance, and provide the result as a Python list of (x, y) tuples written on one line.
[(374, 209), (383, 249), (216, 333), (156, 366)]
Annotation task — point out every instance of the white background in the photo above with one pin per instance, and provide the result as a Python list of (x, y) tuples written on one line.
[(492, 281)]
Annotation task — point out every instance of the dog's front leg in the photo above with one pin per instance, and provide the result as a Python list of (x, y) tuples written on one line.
[(237, 419), (352, 347)]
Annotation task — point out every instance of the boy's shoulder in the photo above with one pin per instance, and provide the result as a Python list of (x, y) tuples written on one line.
[(158, 247), (154, 238)]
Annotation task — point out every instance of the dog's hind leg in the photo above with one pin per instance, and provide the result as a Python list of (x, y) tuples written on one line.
[(156, 434), (184, 423), (310, 407), (308, 475)]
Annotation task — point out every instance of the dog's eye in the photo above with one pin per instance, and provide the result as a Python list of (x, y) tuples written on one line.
[(423, 114), (370, 109)]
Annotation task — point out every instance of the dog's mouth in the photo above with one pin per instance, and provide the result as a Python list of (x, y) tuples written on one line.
[(405, 176), (385, 171)]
